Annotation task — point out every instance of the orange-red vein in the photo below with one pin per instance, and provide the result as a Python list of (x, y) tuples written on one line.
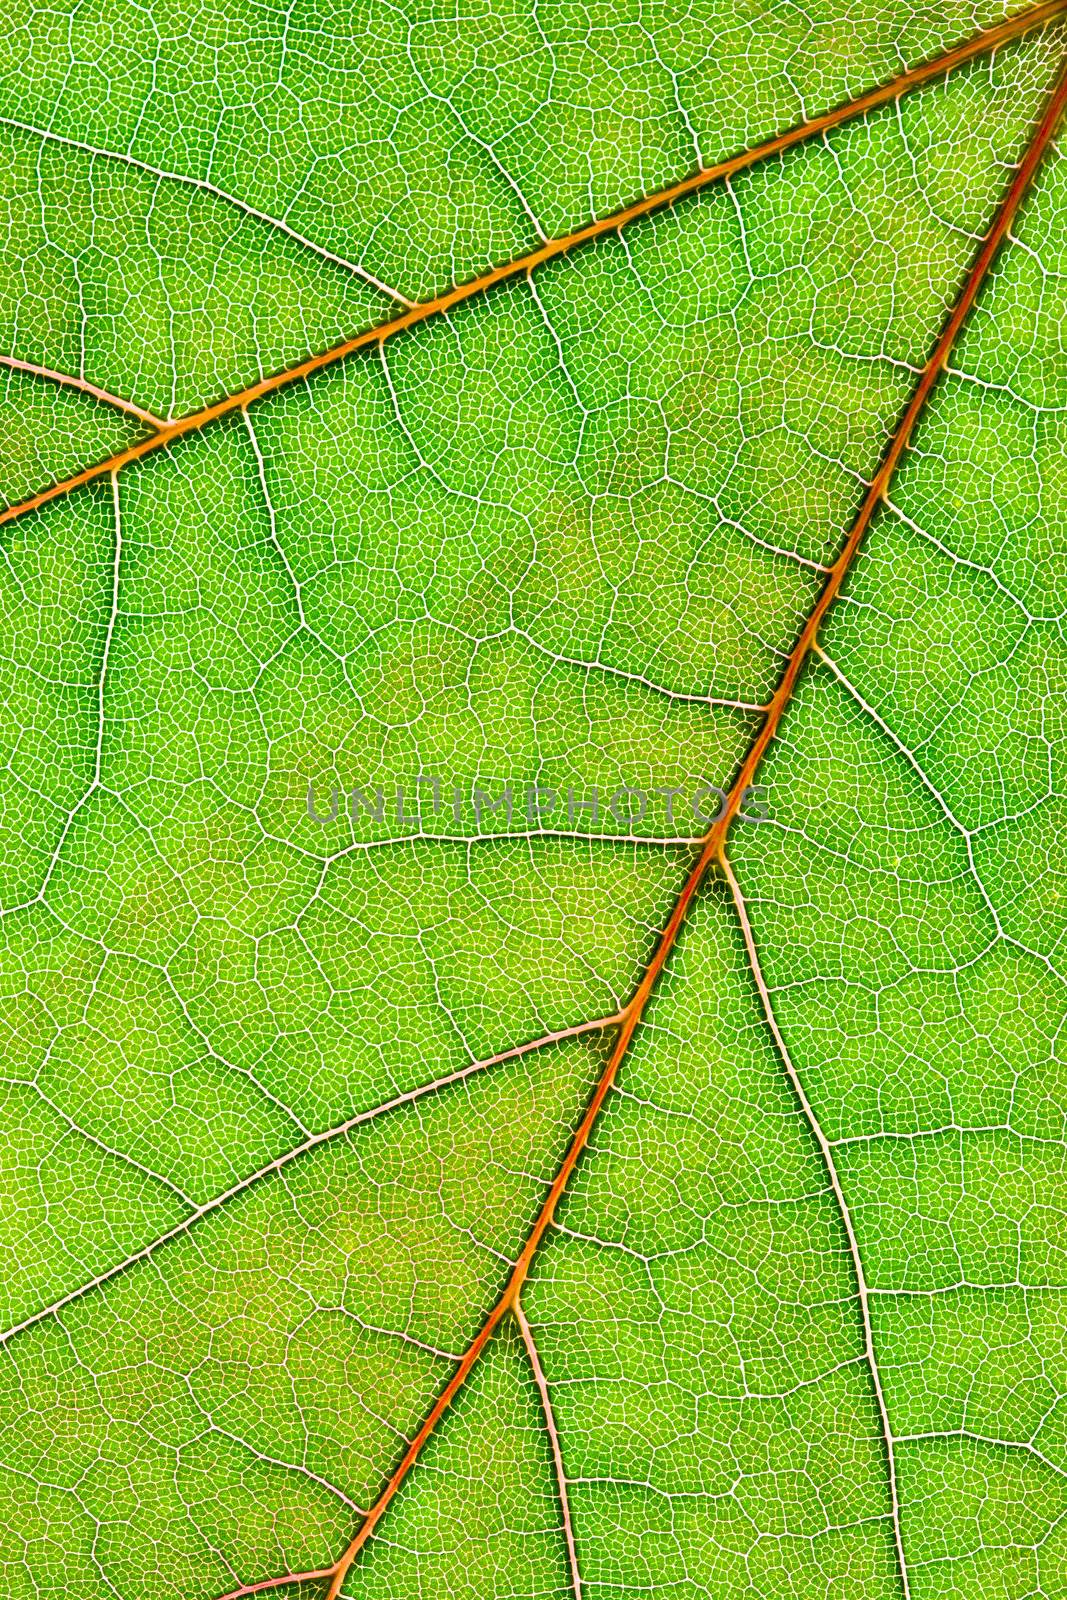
[(712, 849), (981, 44)]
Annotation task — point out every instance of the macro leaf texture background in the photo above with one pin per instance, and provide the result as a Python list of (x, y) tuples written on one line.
[(431, 1198)]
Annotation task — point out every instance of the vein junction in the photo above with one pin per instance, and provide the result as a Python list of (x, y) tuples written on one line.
[(619, 1026)]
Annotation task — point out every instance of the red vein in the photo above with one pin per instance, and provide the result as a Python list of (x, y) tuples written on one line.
[(712, 851), (980, 44), (460, 1075)]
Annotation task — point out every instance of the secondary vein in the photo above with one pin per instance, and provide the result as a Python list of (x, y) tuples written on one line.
[(981, 44), (712, 854)]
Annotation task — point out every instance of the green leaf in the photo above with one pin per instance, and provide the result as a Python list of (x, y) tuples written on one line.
[(537, 1175)]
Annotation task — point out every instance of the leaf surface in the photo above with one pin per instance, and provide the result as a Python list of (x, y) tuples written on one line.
[(483, 1188)]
